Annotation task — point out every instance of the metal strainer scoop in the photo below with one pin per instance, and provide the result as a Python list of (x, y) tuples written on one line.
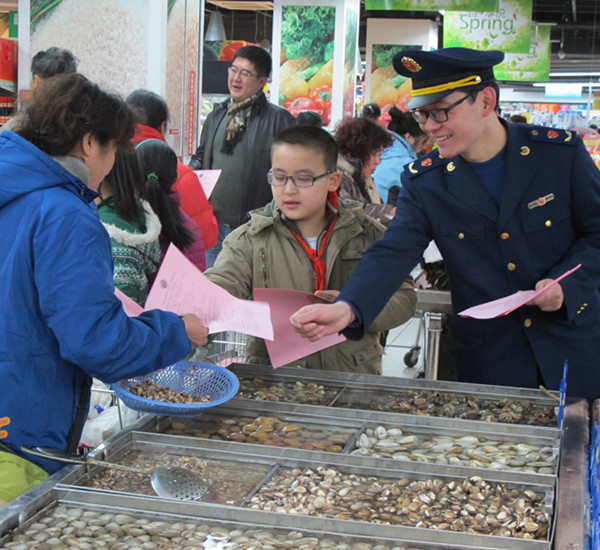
[(167, 481)]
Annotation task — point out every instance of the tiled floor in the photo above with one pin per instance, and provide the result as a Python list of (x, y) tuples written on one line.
[(400, 341)]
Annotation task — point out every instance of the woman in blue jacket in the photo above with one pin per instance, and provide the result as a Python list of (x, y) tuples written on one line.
[(409, 140), (61, 323)]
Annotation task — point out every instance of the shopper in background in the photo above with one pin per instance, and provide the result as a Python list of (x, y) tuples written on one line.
[(360, 143), (371, 111), (51, 62), (408, 139), (309, 118), (159, 163), (61, 322), (518, 118), (236, 138), (511, 207), (46, 64), (152, 115), (306, 239), (132, 226)]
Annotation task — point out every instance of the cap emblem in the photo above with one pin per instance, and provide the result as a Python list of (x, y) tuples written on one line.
[(411, 65)]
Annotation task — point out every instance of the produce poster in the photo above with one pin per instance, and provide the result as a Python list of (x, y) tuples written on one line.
[(387, 87), (350, 54), (508, 29), (532, 66), (307, 42), (432, 5)]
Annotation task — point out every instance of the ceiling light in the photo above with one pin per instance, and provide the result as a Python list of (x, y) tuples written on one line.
[(216, 28)]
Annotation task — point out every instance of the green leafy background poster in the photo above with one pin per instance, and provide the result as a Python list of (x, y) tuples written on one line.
[(533, 66)]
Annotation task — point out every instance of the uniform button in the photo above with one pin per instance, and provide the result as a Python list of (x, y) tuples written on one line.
[(510, 266), (527, 323), (504, 236), (548, 223), (461, 235)]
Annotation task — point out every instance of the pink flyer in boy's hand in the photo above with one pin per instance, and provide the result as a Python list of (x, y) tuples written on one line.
[(287, 345)]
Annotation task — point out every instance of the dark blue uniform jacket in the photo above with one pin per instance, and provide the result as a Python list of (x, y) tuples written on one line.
[(548, 222)]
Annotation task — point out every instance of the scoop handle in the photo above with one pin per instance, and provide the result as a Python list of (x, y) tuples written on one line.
[(59, 455)]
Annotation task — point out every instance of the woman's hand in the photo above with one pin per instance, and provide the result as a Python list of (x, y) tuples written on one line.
[(195, 330), (319, 320)]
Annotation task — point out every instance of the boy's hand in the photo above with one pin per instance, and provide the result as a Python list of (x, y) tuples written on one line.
[(195, 330), (329, 295), (316, 321)]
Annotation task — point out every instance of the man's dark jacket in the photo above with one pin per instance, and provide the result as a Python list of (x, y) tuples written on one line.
[(264, 123)]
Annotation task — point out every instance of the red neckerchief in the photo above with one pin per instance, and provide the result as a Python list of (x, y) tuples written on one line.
[(316, 255)]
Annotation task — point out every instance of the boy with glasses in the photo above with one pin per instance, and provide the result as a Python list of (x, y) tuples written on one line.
[(236, 138), (511, 207), (308, 239)]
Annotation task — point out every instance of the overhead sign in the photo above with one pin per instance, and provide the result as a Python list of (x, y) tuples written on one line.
[(507, 29), (432, 5), (533, 66)]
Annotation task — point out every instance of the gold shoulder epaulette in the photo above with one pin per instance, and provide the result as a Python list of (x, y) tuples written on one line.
[(423, 164), (552, 135)]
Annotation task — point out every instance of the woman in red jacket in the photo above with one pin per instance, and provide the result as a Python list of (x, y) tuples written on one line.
[(151, 114)]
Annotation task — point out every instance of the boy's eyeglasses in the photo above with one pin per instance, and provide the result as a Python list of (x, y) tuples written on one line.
[(437, 115), (234, 71), (302, 180)]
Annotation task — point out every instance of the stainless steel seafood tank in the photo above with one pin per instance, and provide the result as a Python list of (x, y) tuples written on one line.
[(347, 470)]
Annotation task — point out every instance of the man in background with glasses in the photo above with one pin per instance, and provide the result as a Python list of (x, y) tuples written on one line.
[(511, 207), (236, 138), (306, 239)]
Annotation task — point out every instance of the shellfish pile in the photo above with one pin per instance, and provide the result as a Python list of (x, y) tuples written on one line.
[(263, 430), (75, 528), (471, 505), (466, 450)]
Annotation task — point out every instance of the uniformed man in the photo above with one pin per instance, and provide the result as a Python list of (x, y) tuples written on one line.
[(511, 207)]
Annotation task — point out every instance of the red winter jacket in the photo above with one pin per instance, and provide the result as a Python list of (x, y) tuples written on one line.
[(193, 200)]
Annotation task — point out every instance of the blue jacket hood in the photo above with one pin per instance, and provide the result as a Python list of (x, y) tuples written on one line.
[(25, 168)]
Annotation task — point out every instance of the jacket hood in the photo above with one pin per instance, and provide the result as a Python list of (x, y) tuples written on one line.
[(128, 238), (143, 132), (24, 168)]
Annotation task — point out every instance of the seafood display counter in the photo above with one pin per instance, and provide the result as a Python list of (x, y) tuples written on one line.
[(318, 460)]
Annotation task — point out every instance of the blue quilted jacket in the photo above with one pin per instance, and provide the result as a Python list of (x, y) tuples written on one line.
[(60, 321)]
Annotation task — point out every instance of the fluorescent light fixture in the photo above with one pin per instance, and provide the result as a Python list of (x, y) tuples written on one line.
[(574, 74), (556, 89), (582, 84)]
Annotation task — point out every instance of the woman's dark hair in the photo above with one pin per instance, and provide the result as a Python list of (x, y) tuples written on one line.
[(148, 108), (66, 107), (159, 163), (359, 138), (311, 137), (402, 122), (127, 184)]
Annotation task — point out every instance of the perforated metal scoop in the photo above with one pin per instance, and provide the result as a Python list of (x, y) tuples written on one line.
[(174, 482), (167, 481)]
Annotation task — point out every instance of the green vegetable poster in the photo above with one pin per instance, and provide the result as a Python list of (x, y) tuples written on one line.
[(532, 66), (306, 72), (432, 5), (508, 29)]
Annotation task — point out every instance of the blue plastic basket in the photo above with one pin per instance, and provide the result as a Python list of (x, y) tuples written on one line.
[(184, 376)]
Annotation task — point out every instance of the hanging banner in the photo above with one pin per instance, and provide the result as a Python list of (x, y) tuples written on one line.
[(533, 66), (508, 29), (350, 57), (432, 5), (306, 71)]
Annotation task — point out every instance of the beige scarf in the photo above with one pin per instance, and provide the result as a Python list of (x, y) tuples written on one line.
[(236, 125)]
